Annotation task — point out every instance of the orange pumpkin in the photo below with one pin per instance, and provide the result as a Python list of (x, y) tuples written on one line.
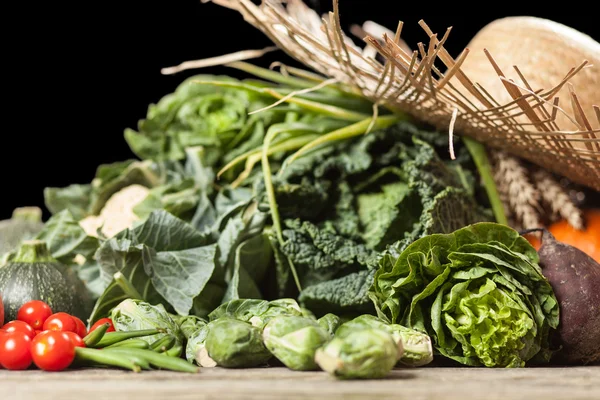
[(587, 240), (533, 238)]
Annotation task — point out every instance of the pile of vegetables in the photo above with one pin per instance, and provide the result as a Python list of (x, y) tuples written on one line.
[(283, 220), (57, 341)]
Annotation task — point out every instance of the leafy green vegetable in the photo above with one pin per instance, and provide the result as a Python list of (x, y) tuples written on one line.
[(363, 354), (176, 187), (134, 315), (215, 235), (193, 115), (66, 239), (74, 198), (165, 259), (343, 203), (478, 292), (214, 112), (294, 340), (89, 199), (252, 258), (345, 295)]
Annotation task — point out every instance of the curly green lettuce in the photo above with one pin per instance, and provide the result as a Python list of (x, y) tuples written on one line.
[(478, 292)]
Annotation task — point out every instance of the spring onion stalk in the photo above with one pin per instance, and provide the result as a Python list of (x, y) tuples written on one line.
[(129, 290), (347, 132), (266, 167), (324, 109), (479, 155)]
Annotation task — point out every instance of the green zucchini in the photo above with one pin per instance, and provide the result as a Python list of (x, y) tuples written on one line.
[(32, 274)]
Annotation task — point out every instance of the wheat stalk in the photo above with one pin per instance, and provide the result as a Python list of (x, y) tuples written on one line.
[(519, 194), (559, 202)]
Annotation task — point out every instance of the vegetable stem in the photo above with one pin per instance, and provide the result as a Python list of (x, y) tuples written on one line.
[(33, 251), (321, 108), (479, 155), (347, 132), (254, 156), (124, 283), (324, 109), (272, 200), (271, 75)]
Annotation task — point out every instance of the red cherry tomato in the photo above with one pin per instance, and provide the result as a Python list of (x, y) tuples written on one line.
[(35, 313), (60, 321), (53, 350), (37, 332), (80, 330), (19, 326), (76, 339), (15, 350), (103, 321)]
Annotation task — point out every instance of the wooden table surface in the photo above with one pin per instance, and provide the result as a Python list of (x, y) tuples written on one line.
[(572, 383)]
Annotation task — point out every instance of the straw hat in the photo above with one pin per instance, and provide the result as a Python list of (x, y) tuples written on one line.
[(544, 51), (531, 112)]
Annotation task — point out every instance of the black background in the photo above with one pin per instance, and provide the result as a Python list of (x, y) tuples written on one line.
[(86, 73)]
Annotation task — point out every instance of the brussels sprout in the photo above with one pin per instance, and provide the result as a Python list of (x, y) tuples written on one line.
[(189, 324), (195, 350), (233, 344), (276, 308), (240, 309), (363, 354), (256, 312), (418, 350), (330, 322), (294, 341), (131, 315)]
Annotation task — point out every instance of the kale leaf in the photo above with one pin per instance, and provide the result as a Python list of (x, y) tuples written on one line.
[(344, 203)]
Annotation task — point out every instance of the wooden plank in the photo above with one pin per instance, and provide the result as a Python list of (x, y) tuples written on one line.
[(574, 383)]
